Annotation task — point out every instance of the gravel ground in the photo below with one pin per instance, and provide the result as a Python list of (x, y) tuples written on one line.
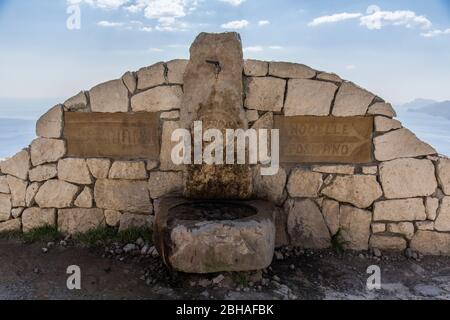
[(38, 271)]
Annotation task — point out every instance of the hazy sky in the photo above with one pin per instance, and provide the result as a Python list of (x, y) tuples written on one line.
[(399, 49)]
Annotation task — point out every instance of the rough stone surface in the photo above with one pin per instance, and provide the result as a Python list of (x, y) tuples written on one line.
[(74, 170), (305, 224), (5, 207), (163, 183), (351, 100), (33, 218), (167, 145), (355, 226), (425, 225), (290, 70), (17, 212), (304, 183), (381, 108), (4, 186), (112, 217), (383, 124), (252, 115), (256, 68), (170, 115), (151, 76), (85, 198), (18, 189), (152, 164), (130, 81), (442, 222), (50, 125), (99, 168), (265, 122), (443, 174), (45, 150), (56, 194), (31, 192), (43, 173), (329, 77), (338, 169), (11, 225), (157, 99), (400, 143), (77, 103), (404, 228), (359, 190), (123, 195), (330, 211), (431, 243), (17, 165), (269, 187), (407, 178), (399, 210), (388, 243), (431, 206), (309, 97), (265, 94), (73, 221), (370, 170), (111, 96), (378, 227), (130, 221), (175, 70), (128, 170)]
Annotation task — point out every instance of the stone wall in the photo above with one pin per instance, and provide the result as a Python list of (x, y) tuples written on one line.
[(400, 200)]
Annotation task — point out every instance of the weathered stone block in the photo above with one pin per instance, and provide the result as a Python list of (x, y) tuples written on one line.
[(18, 189), (5, 207), (442, 222), (157, 99), (33, 218), (359, 190), (11, 226), (399, 210), (151, 76), (431, 206), (4, 186), (85, 198), (400, 143), (17, 165), (355, 226), (431, 243), (378, 227), (56, 194), (73, 221), (45, 150), (99, 168), (265, 94), (77, 103), (290, 70), (129, 80), (408, 178), (112, 217), (389, 243), (43, 173), (256, 68), (304, 183), (111, 96), (443, 174), (383, 109), (131, 221), (123, 195), (50, 125), (305, 224), (32, 190), (351, 100), (309, 97), (175, 70), (329, 77), (74, 170), (128, 170), (331, 213), (269, 187), (404, 228), (383, 124)]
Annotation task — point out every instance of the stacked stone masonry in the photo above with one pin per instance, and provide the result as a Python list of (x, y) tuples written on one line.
[(400, 200)]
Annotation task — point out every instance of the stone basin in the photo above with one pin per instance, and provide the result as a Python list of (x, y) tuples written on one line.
[(198, 236)]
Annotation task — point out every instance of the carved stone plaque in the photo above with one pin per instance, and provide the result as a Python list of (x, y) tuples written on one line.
[(309, 139), (123, 136)]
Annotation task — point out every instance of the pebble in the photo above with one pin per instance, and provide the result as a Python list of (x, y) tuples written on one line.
[(44, 250), (140, 242), (218, 279), (129, 247), (279, 255), (63, 243), (276, 278), (50, 244), (376, 252), (292, 267)]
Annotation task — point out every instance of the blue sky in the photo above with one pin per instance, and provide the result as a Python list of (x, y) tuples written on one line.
[(399, 49)]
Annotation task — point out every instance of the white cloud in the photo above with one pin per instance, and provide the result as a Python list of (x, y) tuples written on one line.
[(237, 24), (253, 49), (102, 4), (350, 67), (109, 24), (146, 29), (156, 50), (435, 33), (337, 17), (263, 22), (234, 3), (275, 47), (376, 19)]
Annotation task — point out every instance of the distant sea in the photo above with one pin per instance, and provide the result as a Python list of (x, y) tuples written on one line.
[(18, 119)]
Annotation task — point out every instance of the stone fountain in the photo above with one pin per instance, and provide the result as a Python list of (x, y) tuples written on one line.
[(215, 226)]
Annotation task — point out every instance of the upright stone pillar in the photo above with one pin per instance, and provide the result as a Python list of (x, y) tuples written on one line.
[(213, 93)]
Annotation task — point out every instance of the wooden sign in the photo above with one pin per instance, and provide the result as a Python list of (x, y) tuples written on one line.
[(124, 136), (310, 139)]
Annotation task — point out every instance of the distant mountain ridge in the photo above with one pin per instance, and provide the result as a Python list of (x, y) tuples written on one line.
[(428, 106)]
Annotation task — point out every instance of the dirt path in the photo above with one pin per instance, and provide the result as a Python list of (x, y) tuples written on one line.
[(27, 273)]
